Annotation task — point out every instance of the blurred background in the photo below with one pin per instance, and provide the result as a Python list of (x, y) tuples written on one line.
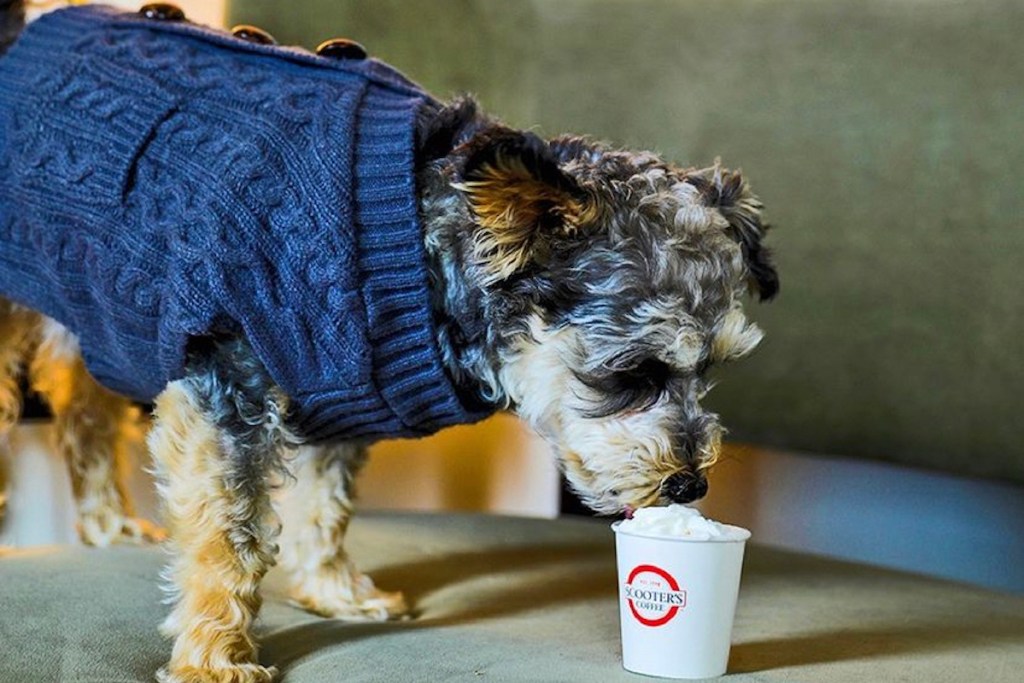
[(879, 420)]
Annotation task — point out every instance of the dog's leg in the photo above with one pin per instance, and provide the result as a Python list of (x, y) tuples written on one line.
[(315, 515), (214, 443), (16, 335), (94, 429)]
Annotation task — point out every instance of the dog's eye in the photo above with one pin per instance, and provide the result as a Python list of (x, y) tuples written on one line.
[(649, 376), (637, 388), (651, 372)]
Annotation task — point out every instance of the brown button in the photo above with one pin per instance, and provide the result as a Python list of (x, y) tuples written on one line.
[(341, 48), (253, 34), (162, 11)]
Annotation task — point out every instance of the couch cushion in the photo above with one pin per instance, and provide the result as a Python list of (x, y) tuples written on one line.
[(507, 599)]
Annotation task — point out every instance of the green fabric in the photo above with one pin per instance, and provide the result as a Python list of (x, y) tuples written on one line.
[(504, 599), (884, 137)]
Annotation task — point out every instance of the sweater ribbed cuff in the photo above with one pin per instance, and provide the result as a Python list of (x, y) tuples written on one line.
[(392, 262)]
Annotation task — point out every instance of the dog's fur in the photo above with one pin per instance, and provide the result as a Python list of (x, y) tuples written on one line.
[(586, 289)]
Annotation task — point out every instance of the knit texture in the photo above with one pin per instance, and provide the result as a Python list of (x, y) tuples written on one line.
[(163, 181)]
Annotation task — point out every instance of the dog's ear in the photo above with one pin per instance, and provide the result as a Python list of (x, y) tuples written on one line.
[(728, 191), (440, 128), (521, 200)]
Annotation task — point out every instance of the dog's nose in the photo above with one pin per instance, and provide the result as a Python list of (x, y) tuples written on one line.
[(685, 487)]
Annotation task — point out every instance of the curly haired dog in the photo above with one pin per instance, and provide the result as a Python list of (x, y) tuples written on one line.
[(297, 254)]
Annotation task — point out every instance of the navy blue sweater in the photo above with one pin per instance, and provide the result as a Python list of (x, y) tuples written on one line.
[(160, 181)]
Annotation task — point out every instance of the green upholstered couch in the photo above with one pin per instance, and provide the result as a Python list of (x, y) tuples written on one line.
[(504, 599)]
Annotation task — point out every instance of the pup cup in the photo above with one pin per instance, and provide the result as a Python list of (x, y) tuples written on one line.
[(679, 577)]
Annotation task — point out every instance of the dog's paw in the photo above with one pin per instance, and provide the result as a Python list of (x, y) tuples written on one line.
[(380, 606), (238, 673), (347, 594), (377, 606), (103, 528)]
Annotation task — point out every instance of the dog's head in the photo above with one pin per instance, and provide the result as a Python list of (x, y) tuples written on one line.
[(591, 290)]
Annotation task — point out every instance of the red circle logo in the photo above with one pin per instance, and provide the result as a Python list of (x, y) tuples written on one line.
[(653, 595)]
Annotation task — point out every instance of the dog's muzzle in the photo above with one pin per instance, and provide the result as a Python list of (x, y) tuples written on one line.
[(685, 487)]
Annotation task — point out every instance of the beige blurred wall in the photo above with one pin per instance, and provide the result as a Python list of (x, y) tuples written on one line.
[(496, 466)]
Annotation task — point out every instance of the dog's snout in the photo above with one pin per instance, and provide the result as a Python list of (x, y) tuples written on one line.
[(685, 487), (685, 446)]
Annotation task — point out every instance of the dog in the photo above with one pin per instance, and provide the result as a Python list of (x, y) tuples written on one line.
[(587, 289)]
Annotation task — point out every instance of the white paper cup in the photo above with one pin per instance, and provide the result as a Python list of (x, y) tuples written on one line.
[(677, 599)]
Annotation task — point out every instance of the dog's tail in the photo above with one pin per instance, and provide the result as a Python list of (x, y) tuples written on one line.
[(12, 20)]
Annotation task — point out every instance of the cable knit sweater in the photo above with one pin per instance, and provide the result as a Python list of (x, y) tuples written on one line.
[(160, 181)]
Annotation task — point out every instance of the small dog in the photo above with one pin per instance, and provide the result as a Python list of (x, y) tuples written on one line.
[(584, 288)]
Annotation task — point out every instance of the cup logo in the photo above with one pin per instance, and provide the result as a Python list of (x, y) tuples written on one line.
[(653, 595)]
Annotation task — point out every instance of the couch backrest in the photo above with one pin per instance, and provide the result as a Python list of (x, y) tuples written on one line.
[(884, 137)]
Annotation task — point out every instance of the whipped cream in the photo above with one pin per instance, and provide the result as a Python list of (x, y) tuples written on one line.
[(679, 521)]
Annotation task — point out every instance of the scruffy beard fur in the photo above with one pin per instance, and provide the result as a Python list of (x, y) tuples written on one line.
[(590, 290)]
